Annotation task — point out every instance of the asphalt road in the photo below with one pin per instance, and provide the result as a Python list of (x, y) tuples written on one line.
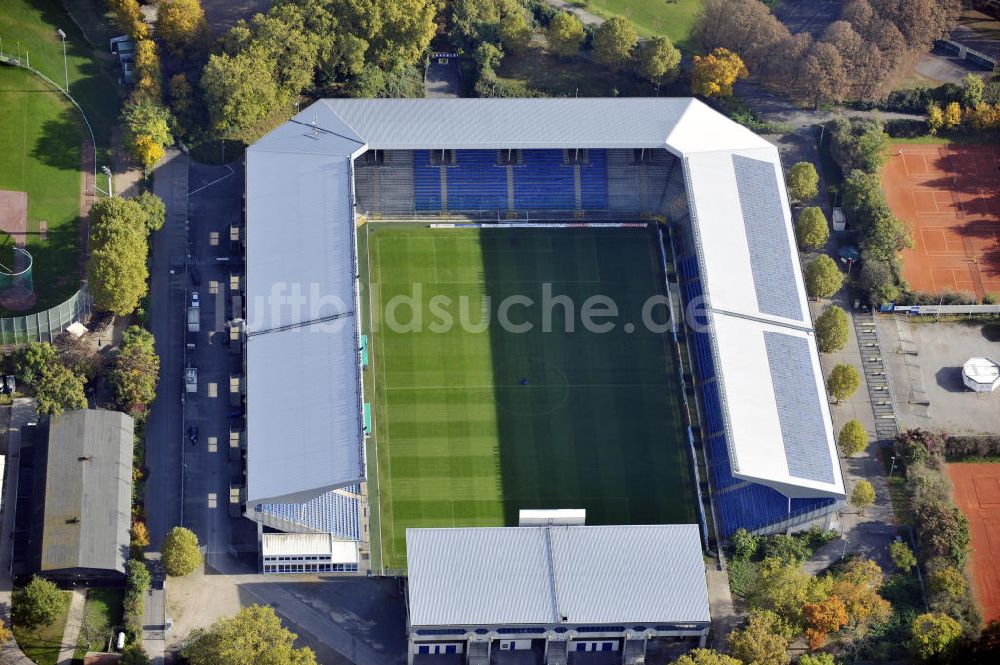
[(164, 429)]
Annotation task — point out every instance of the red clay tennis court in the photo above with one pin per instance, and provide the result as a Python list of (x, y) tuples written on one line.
[(977, 493), (949, 196)]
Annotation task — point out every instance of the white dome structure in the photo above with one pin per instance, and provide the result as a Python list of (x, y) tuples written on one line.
[(981, 374)]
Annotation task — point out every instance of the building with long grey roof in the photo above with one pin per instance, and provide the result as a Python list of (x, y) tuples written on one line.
[(575, 588), (82, 492), (766, 422)]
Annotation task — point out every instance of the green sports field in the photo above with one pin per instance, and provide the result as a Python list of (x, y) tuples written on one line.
[(473, 424)]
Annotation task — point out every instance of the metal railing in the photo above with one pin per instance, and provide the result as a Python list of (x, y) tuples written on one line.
[(45, 326)]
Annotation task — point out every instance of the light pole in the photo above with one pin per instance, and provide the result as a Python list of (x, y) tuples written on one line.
[(62, 36), (892, 467), (111, 182)]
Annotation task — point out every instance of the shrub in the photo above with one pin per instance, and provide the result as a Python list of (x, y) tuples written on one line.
[(743, 576), (863, 495), (902, 556), (744, 544), (959, 447), (785, 548)]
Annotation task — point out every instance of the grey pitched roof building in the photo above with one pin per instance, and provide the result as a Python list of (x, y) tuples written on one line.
[(570, 585), (88, 493)]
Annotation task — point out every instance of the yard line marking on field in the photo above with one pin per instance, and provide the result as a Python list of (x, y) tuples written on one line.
[(216, 181)]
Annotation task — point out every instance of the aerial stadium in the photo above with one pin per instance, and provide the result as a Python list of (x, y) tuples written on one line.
[(417, 273)]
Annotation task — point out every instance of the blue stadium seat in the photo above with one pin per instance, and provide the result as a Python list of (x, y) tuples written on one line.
[(476, 181), (544, 182), (426, 182), (334, 512), (594, 181)]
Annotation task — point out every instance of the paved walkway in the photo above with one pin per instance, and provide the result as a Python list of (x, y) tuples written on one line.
[(720, 600), (74, 621), (585, 17)]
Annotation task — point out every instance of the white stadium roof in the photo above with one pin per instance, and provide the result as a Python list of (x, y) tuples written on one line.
[(556, 575), (303, 386)]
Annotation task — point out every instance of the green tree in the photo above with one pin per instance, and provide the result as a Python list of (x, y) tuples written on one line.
[(823, 277), (832, 329), (242, 94), (37, 604), (657, 59), (254, 635), (145, 122), (816, 659), (972, 91), (812, 229), (180, 24), (863, 495), (135, 372), (843, 381), (783, 588), (933, 634), (134, 655), (614, 42), (515, 32), (59, 389), (803, 182), (154, 209), (117, 269), (180, 552), (488, 56), (947, 581), (853, 438), (713, 75), (876, 278), (902, 556), (31, 360), (935, 118), (706, 657), (761, 641), (564, 34)]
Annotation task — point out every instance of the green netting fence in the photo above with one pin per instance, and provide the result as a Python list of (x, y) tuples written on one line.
[(45, 326)]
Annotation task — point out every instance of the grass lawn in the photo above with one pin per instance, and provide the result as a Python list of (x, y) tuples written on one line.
[(92, 71), (570, 77), (102, 612), (40, 142), (672, 19), (43, 643), (472, 425)]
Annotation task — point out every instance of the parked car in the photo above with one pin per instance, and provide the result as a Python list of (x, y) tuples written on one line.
[(193, 434)]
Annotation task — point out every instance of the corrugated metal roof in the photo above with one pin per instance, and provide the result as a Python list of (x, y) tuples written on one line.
[(304, 431), (766, 432), (88, 491), (309, 544), (683, 124), (556, 574), (303, 393)]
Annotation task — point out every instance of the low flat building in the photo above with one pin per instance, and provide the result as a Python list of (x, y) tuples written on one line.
[(82, 506), (307, 553), (556, 590)]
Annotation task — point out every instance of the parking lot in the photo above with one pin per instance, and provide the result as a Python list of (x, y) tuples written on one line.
[(925, 359)]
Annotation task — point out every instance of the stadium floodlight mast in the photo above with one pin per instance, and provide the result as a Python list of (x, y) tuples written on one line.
[(62, 36)]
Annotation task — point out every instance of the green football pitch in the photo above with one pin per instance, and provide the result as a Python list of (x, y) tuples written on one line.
[(473, 424)]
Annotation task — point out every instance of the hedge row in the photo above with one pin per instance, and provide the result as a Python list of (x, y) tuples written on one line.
[(960, 447)]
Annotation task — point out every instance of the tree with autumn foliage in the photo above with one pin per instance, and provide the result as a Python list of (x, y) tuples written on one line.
[(713, 75), (762, 641), (822, 618)]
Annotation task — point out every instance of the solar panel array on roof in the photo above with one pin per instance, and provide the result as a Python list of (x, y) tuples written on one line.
[(767, 238), (800, 415)]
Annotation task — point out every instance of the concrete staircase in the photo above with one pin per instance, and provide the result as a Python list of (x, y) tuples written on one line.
[(876, 376)]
